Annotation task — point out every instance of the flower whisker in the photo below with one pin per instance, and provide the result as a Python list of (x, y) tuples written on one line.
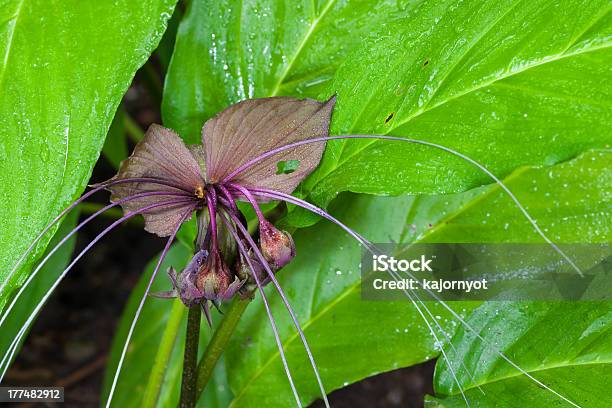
[(186, 215), (259, 284), (13, 347), (97, 187), (70, 234), (283, 297)]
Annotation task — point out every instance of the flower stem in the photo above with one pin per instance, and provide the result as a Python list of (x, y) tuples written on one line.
[(189, 396), (133, 129), (219, 341)]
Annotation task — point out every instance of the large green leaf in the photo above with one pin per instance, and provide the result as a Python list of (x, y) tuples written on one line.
[(64, 66), (353, 339), (565, 345), (508, 83), (231, 50)]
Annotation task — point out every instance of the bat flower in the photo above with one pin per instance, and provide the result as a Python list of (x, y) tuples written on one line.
[(255, 151), (228, 166)]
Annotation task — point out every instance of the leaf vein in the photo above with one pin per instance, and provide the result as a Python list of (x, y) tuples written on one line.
[(300, 47)]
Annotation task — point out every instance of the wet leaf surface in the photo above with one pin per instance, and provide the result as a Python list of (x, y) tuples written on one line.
[(65, 67)]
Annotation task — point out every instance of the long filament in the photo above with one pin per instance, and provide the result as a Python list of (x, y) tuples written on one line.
[(8, 356), (279, 343), (142, 301), (67, 237), (531, 220), (281, 293), (85, 196)]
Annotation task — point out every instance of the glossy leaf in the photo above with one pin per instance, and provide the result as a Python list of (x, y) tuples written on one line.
[(566, 345), (231, 50), (507, 83), (64, 66), (570, 202)]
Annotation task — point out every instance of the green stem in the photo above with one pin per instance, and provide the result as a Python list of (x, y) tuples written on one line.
[(154, 83), (162, 357), (132, 128), (219, 341), (188, 385)]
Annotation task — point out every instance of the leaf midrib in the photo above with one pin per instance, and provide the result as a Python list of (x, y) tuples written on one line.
[(515, 373), (301, 46), (483, 85), (10, 41)]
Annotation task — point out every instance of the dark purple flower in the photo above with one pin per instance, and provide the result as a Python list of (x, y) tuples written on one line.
[(215, 281), (212, 176)]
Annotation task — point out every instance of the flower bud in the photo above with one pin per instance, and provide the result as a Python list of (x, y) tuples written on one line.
[(245, 273), (215, 281), (184, 283), (277, 246)]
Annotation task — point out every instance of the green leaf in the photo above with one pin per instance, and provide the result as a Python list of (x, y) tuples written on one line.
[(508, 83), (566, 345), (569, 201), (36, 290), (352, 339), (287, 167), (231, 50), (63, 69), (151, 372)]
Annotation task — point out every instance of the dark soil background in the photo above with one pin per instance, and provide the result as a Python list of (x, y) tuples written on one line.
[(70, 341)]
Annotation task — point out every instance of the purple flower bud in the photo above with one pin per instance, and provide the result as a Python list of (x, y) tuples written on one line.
[(184, 283), (244, 272), (277, 246), (215, 281)]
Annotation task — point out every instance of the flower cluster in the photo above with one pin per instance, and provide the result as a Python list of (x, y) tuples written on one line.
[(229, 166)]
